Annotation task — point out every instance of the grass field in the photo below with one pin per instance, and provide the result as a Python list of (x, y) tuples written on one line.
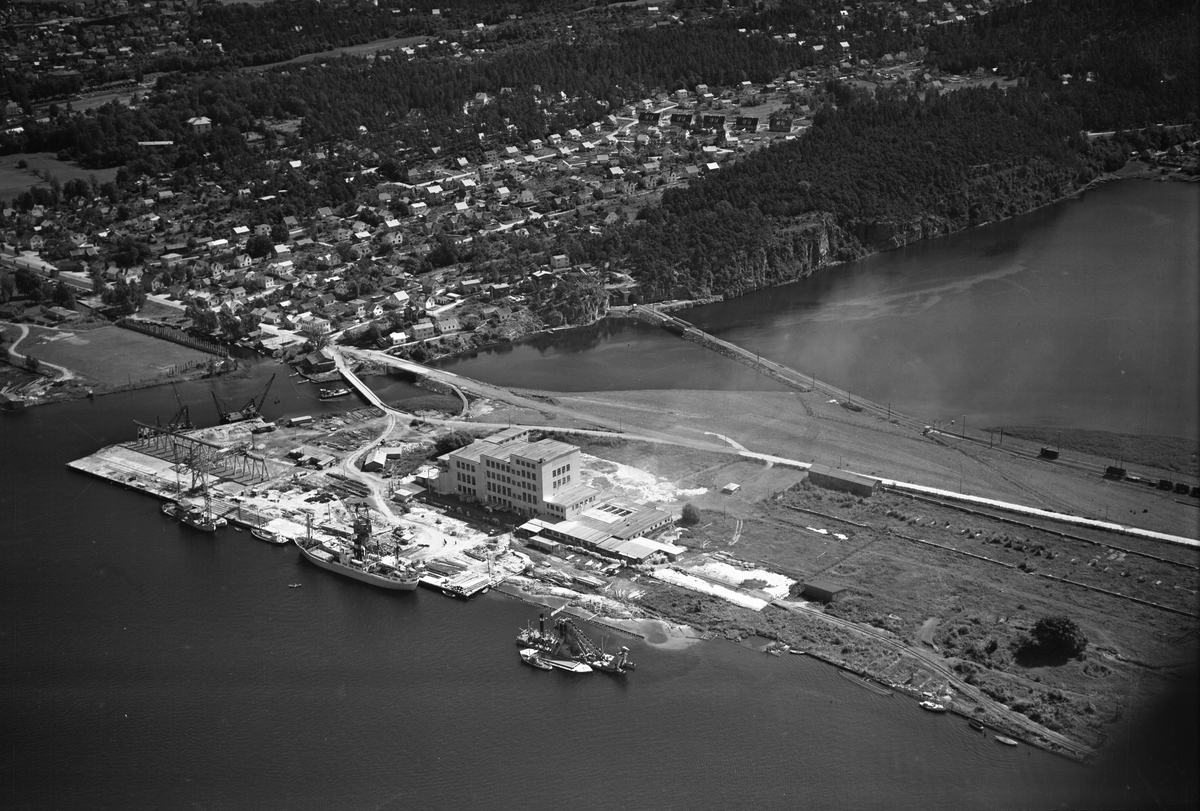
[(14, 181), (110, 355)]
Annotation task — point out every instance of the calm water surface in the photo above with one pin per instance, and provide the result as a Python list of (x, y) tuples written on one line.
[(1081, 314), (149, 666)]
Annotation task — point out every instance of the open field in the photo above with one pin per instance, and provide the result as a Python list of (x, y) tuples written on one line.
[(350, 50), (806, 427), (965, 589), (110, 355), (14, 181)]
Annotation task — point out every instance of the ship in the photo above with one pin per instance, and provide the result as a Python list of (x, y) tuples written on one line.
[(357, 562), (264, 534), (569, 665), (533, 657), (330, 394), (195, 517), (568, 642)]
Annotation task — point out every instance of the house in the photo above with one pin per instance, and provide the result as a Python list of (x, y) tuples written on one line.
[(200, 124), (422, 330), (559, 262), (447, 324)]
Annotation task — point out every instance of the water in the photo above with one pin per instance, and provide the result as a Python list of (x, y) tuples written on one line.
[(150, 666), (1082, 314)]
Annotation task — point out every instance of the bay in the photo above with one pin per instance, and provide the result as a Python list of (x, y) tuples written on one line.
[(1082, 314)]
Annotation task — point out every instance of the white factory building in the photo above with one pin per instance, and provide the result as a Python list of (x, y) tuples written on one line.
[(530, 478)]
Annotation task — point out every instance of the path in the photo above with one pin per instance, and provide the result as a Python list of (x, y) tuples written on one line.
[(19, 360)]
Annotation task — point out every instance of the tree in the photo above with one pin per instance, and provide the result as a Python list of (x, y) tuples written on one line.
[(259, 246), (690, 515), (1059, 635), (452, 442), (315, 338)]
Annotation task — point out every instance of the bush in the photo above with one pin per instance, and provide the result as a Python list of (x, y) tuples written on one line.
[(1060, 635)]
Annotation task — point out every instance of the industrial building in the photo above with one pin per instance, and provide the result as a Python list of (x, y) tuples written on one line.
[(843, 480), (821, 590), (509, 471)]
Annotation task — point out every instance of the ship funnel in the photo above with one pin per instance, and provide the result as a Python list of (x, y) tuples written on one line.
[(542, 623)]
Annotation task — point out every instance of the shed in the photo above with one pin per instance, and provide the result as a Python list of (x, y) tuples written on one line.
[(844, 480), (821, 590)]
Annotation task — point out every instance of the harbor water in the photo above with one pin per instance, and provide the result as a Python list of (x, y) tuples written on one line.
[(1083, 314), (147, 665)]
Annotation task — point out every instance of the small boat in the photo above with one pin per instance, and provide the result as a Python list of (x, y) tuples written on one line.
[(330, 394), (1006, 741), (933, 706), (533, 657), (170, 508), (294, 585), (975, 724), (264, 534), (236, 528), (568, 665)]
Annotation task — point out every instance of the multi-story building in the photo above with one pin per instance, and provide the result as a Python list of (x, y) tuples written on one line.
[(530, 478)]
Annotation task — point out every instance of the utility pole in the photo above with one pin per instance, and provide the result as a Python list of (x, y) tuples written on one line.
[(964, 427)]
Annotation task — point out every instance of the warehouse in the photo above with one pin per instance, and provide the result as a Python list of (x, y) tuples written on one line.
[(842, 480)]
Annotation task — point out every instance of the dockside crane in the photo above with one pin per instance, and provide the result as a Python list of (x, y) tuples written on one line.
[(182, 421), (252, 408)]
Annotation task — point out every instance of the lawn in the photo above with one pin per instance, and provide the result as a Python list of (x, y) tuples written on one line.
[(111, 355), (14, 181)]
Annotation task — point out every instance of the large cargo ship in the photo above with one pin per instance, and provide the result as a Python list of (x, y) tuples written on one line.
[(358, 563), (365, 569)]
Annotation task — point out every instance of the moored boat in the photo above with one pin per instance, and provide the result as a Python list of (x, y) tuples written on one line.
[(569, 643), (357, 562), (975, 724), (933, 706), (264, 534), (368, 569), (568, 665), (1006, 741), (533, 657), (331, 394)]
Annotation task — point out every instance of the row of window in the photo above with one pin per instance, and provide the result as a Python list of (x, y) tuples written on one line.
[(465, 479), (560, 470)]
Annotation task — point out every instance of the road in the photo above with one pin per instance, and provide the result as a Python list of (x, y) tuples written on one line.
[(62, 372)]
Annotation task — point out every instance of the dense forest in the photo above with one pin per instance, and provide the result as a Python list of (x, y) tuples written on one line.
[(1118, 64), (871, 173)]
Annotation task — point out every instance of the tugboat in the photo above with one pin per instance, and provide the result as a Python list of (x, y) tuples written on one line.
[(358, 563), (330, 394)]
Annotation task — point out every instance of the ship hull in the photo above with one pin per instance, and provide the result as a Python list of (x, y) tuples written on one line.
[(405, 583)]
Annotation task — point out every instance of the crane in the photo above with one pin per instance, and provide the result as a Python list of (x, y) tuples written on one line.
[(252, 408), (182, 421)]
